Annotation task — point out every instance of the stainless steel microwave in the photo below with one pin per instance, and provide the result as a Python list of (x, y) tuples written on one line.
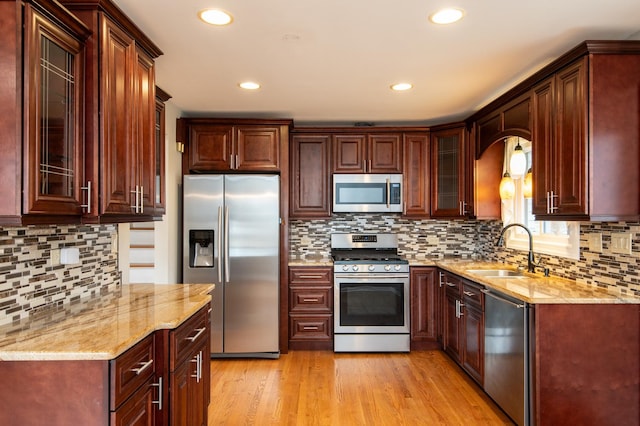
[(367, 193)]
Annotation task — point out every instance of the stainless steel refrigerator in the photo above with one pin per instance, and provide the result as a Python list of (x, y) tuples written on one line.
[(232, 238)]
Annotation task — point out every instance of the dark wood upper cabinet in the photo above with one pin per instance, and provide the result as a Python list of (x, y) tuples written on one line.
[(233, 145), (41, 113), (310, 176), (120, 109), (367, 153), (349, 153), (450, 173), (586, 127), (257, 148), (584, 122), (417, 158), (210, 147), (559, 151), (160, 191)]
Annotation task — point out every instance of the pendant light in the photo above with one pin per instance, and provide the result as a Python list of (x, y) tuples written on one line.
[(518, 162), (507, 186), (527, 187)]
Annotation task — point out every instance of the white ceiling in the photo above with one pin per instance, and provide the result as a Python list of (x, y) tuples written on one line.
[(332, 61)]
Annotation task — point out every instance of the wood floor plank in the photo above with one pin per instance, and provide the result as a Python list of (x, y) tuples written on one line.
[(318, 388)]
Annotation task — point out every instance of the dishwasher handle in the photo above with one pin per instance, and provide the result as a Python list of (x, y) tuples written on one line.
[(502, 299)]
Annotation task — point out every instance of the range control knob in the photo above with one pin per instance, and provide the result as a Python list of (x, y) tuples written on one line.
[(397, 267), (387, 268), (371, 268), (345, 267), (355, 267)]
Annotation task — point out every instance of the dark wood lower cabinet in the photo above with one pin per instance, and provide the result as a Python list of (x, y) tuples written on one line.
[(463, 331), (424, 307), (139, 410), (162, 380), (310, 307)]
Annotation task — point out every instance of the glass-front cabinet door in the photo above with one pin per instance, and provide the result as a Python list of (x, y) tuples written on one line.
[(53, 131), (447, 162)]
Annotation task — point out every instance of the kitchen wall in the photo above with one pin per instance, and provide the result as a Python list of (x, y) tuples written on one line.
[(30, 285), (435, 239)]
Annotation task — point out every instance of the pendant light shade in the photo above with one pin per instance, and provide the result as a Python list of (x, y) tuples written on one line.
[(518, 163), (527, 188), (507, 187)]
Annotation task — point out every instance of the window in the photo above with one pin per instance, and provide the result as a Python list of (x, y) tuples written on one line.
[(556, 238)]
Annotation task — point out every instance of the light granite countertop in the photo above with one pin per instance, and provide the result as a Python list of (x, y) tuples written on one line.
[(536, 288), (104, 327)]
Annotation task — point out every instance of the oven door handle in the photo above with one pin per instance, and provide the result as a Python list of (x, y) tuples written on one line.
[(372, 276)]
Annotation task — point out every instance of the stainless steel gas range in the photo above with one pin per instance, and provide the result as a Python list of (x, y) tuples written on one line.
[(371, 294)]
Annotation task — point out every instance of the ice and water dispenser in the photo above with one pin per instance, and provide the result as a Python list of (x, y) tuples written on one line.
[(201, 248)]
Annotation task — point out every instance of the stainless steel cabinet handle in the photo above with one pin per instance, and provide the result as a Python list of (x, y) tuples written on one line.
[(468, 293), (199, 332), (196, 360), (449, 284), (88, 189), (311, 300), (137, 198), (552, 208), (143, 367), (141, 199), (311, 276), (159, 386), (310, 327)]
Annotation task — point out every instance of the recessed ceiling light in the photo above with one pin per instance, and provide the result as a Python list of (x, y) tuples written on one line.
[(401, 86), (249, 85), (447, 16), (215, 16)]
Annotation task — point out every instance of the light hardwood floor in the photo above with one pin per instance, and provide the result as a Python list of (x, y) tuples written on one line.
[(323, 388)]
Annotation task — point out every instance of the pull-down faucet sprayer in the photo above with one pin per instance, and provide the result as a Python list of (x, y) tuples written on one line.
[(531, 264)]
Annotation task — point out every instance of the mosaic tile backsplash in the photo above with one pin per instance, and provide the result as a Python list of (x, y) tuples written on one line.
[(30, 284), (428, 239)]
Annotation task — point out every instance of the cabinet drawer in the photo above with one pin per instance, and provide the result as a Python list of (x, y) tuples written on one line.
[(130, 370), (311, 327), (471, 295), (302, 299), (310, 276), (184, 339)]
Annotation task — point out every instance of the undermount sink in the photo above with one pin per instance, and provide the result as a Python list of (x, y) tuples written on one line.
[(496, 273)]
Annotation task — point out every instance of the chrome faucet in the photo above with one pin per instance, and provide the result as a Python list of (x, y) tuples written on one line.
[(531, 264)]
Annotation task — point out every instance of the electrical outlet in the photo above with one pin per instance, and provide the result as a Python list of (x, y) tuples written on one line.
[(55, 257), (595, 243), (621, 243)]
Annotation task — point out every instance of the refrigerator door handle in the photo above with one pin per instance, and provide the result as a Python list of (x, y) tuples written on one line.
[(220, 253), (227, 272)]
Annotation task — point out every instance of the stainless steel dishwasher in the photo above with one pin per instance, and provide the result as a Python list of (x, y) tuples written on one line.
[(506, 357)]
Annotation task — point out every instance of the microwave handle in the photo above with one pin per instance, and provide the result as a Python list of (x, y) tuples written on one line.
[(388, 193)]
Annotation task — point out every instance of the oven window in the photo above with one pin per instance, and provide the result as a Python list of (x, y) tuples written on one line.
[(361, 193), (371, 304)]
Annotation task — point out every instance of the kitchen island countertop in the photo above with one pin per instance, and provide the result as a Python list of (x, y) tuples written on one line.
[(104, 327)]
